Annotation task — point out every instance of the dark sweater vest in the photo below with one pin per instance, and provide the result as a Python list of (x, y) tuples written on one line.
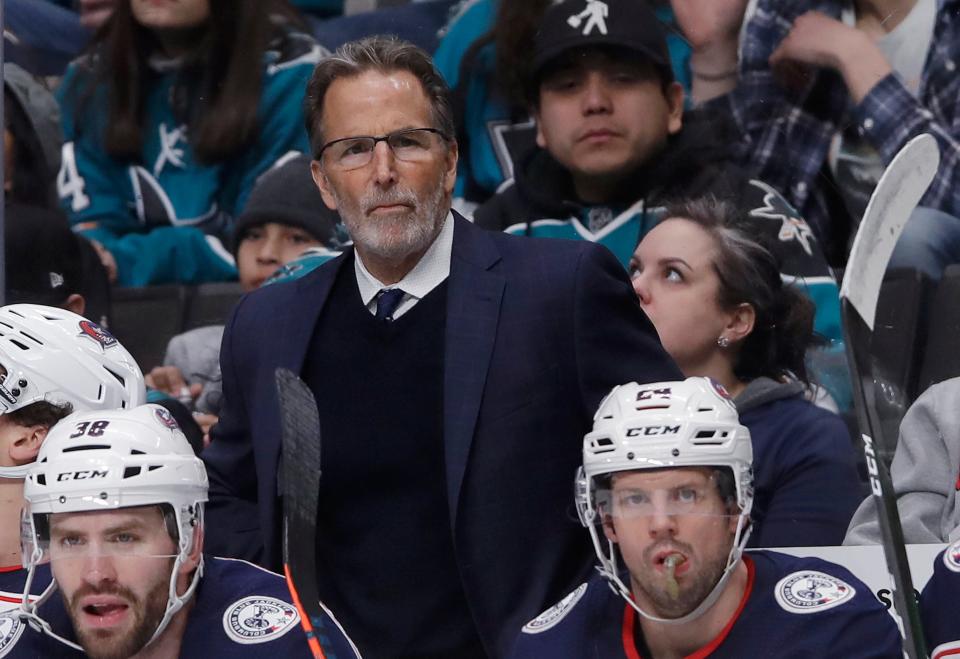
[(385, 550)]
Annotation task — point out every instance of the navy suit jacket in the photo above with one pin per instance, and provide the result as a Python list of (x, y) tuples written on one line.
[(537, 332)]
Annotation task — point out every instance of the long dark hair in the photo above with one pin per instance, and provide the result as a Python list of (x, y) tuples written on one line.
[(220, 82), (749, 273)]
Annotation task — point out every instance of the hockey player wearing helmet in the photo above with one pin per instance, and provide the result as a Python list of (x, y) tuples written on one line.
[(115, 504), (665, 491), (52, 362)]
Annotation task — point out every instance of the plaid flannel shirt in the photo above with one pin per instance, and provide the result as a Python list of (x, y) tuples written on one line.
[(787, 133)]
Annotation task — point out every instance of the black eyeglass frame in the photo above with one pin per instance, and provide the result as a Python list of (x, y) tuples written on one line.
[(379, 138)]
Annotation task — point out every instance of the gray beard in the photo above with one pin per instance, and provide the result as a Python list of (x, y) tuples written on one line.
[(397, 236)]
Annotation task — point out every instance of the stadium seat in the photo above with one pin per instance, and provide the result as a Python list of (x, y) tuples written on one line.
[(417, 22), (209, 304), (144, 319)]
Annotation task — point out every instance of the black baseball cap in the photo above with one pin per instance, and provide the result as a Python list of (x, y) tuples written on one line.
[(627, 24), (43, 257)]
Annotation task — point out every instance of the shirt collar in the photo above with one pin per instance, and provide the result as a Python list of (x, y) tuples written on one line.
[(429, 272)]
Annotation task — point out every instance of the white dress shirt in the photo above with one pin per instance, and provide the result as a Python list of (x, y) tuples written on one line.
[(431, 270)]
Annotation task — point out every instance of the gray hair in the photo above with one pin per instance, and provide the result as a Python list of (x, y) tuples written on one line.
[(385, 55)]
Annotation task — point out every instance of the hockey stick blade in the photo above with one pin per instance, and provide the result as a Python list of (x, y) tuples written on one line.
[(898, 192), (300, 473)]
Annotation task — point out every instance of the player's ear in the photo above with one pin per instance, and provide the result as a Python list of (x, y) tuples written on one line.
[(27, 444), (609, 529), (196, 551), (323, 184)]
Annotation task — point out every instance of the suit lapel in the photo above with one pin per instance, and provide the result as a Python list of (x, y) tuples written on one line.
[(299, 322), (474, 293)]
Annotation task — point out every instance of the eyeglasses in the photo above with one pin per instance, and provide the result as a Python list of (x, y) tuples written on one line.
[(408, 145)]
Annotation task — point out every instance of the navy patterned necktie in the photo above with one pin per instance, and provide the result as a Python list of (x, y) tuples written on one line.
[(387, 301)]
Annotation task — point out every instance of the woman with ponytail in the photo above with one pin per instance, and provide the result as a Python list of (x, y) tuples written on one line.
[(722, 309)]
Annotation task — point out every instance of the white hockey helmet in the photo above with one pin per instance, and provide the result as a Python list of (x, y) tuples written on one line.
[(114, 459), (691, 423), (54, 355)]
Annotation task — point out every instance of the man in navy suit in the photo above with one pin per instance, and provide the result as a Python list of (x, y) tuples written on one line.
[(455, 372)]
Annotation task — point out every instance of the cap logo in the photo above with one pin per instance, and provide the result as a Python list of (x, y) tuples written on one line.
[(593, 16), (97, 333)]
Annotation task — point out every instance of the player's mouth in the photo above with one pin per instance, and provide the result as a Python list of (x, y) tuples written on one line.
[(663, 560), (103, 612)]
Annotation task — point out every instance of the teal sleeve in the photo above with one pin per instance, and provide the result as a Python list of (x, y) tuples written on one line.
[(91, 185), (166, 255), (281, 129)]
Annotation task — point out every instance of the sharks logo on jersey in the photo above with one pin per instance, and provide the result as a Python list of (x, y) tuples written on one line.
[(775, 207), (259, 619), (811, 592)]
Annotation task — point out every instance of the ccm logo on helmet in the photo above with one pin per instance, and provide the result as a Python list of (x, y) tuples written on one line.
[(82, 475), (653, 431)]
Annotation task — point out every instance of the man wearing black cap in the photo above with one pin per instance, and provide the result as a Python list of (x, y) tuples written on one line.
[(615, 145)]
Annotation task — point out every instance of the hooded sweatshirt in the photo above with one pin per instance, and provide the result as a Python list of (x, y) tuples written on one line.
[(806, 486)]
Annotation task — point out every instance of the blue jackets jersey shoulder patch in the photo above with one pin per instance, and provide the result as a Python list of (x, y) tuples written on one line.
[(792, 607), (938, 605)]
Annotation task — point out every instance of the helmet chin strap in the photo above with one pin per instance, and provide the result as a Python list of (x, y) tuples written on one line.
[(608, 568), (19, 472)]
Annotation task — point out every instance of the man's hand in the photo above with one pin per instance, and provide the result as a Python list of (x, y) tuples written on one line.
[(818, 41), (206, 422), (707, 22), (170, 381), (106, 259)]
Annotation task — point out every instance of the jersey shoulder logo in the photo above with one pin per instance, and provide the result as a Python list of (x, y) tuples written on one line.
[(811, 592), (555, 613), (10, 631), (951, 557), (259, 619)]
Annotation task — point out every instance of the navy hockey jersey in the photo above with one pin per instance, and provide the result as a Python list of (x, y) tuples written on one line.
[(12, 581), (792, 607), (241, 610), (938, 605)]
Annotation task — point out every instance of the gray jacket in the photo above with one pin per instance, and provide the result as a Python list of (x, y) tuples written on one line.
[(925, 473), (197, 354)]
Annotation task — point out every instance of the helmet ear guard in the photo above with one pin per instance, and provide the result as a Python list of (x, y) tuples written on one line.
[(691, 423)]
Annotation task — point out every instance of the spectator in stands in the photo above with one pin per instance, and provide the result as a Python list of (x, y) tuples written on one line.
[(615, 146), (720, 306), (925, 473), (31, 139), (228, 73), (826, 93), (43, 263), (483, 55), (283, 219)]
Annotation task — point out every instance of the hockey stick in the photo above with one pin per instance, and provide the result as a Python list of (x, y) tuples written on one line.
[(300, 471), (899, 191)]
